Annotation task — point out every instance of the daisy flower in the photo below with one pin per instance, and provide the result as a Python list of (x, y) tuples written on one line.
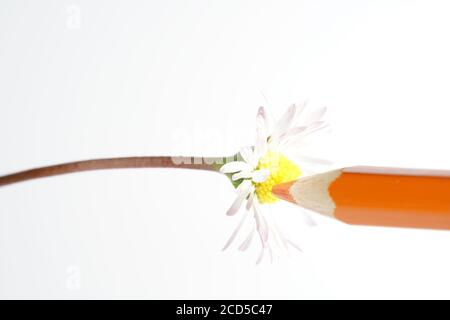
[(259, 168), (270, 162)]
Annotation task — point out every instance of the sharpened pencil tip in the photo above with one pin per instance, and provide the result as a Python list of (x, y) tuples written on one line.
[(282, 191)]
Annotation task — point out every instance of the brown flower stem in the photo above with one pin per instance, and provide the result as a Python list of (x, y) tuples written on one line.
[(210, 164)]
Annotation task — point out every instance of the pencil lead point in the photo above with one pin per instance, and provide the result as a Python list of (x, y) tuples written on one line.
[(281, 191)]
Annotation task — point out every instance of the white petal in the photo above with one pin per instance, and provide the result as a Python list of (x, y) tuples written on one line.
[(326, 126), (261, 225), (301, 106), (262, 120), (236, 231), (243, 191), (244, 245), (262, 132), (280, 236), (286, 120), (299, 140), (298, 132), (235, 166), (294, 131), (294, 144), (291, 133), (315, 115), (293, 244), (286, 241), (250, 199), (260, 175), (248, 155), (242, 175), (244, 185), (315, 124), (261, 256), (261, 145)]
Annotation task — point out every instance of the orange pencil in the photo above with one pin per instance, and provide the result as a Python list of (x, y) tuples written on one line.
[(375, 196)]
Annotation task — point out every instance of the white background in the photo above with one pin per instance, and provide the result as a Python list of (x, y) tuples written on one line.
[(89, 79)]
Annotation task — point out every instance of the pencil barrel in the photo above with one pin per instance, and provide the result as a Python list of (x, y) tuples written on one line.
[(409, 198)]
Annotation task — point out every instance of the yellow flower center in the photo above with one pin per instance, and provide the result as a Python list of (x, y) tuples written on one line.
[(281, 170)]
